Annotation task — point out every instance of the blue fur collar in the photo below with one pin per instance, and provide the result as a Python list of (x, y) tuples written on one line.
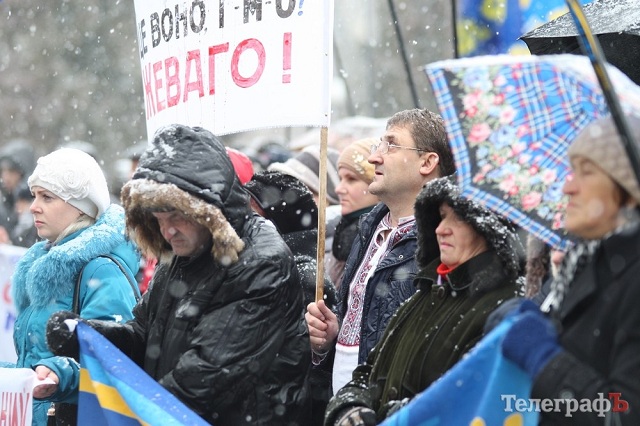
[(47, 273)]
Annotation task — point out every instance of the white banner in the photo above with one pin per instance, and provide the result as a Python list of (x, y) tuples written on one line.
[(9, 256), (236, 65), (16, 396)]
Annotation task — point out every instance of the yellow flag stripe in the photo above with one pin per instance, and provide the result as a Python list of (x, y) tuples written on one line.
[(108, 396)]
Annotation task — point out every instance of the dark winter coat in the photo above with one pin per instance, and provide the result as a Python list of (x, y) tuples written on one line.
[(304, 244), (429, 334), (600, 335), (440, 323), (389, 286), (223, 331)]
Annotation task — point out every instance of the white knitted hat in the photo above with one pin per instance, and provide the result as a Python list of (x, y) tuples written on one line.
[(75, 177)]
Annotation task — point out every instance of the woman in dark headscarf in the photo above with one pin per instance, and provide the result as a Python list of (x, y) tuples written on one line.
[(478, 269)]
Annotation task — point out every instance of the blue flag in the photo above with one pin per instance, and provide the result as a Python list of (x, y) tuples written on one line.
[(487, 27), (492, 27), (479, 390), (115, 391)]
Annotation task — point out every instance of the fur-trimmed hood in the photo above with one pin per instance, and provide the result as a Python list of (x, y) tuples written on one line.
[(186, 169), (498, 232)]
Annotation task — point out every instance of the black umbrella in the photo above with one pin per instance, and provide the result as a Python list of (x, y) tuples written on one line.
[(616, 23)]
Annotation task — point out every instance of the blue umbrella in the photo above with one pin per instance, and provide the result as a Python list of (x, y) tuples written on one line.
[(510, 120)]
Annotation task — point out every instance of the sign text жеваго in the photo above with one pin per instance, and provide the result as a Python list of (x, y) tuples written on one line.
[(232, 66)]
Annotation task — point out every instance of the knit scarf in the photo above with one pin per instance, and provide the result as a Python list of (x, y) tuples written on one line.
[(572, 264), (580, 255)]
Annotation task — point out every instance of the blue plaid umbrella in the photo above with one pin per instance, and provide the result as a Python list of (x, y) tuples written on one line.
[(510, 120)]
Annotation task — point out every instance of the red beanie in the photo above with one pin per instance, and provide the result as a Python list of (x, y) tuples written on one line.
[(241, 163)]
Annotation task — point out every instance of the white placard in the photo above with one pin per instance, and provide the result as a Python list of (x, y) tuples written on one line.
[(9, 256), (16, 396), (236, 65)]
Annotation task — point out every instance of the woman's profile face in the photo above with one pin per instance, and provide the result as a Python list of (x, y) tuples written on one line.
[(353, 192), (51, 214), (458, 241), (594, 200)]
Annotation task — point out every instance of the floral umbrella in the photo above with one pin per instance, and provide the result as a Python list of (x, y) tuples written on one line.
[(510, 120)]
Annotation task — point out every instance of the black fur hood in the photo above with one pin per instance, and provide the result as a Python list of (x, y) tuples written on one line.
[(186, 169), (498, 232)]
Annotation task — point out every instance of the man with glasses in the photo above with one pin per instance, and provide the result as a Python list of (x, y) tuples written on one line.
[(381, 266)]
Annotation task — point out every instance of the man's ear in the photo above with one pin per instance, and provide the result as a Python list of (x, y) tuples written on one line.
[(430, 161)]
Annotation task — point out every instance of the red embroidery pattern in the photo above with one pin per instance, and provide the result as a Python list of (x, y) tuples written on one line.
[(350, 331)]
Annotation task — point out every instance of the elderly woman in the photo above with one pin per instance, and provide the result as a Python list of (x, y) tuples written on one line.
[(84, 256), (478, 269), (591, 357)]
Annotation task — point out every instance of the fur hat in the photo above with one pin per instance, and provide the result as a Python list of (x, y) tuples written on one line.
[(306, 167), (496, 230), (286, 201), (601, 143), (354, 157), (74, 176)]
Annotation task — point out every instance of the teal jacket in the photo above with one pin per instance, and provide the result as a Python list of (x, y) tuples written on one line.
[(44, 282)]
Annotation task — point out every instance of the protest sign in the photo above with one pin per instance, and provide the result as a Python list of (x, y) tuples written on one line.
[(16, 396), (9, 256), (235, 65)]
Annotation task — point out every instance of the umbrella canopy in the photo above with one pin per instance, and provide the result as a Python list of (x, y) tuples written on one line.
[(510, 120), (616, 24)]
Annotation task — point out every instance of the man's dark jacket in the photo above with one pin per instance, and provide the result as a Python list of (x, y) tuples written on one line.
[(389, 286), (224, 331)]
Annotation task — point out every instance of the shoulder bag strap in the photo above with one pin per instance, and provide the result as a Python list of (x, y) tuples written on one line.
[(76, 290)]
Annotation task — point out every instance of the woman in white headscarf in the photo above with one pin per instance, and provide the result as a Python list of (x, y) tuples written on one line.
[(83, 253)]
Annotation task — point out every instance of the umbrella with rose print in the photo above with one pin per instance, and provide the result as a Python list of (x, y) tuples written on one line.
[(510, 120)]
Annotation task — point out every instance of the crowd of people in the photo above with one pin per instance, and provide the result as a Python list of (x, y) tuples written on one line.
[(415, 275)]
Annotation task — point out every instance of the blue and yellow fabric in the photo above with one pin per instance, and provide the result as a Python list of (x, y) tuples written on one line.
[(115, 391), (475, 392), (491, 27)]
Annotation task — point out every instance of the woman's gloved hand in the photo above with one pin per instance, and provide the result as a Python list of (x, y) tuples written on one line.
[(509, 308), (531, 342)]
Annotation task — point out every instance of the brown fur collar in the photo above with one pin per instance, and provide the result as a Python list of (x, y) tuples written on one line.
[(141, 197)]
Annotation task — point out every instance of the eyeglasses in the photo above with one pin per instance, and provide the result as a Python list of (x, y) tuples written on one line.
[(384, 146)]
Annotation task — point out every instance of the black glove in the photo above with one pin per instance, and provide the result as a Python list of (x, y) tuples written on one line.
[(61, 340), (357, 416)]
